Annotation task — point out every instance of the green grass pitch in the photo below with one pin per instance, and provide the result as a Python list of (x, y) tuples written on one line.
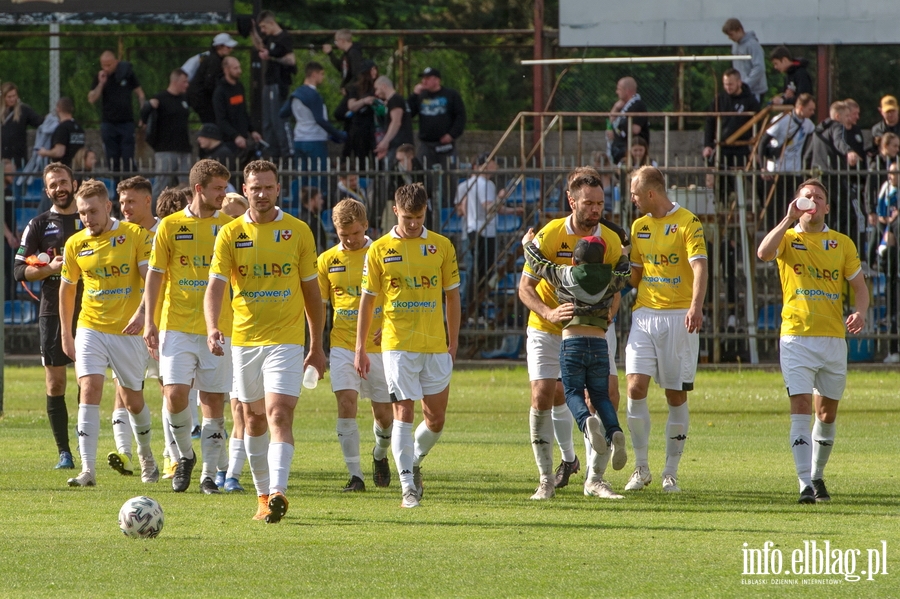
[(477, 533)]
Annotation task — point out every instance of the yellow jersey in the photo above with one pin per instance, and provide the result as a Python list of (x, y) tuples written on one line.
[(109, 264), (412, 274), (340, 282), (265, 264), (664, 248), (556, 241), (813, 268), (182, 251)]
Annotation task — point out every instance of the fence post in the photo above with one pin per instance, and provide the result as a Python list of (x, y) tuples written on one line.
[(748, 270)]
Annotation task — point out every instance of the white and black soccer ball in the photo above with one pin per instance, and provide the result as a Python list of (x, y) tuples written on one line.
[(141, 518)]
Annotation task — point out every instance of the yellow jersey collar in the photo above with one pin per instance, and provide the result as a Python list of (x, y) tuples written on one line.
[(365, 246), (278, 216), (570, 229), (189, 214), (395, 235)]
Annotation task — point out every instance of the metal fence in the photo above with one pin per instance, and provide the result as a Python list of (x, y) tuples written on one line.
[(737, 208)]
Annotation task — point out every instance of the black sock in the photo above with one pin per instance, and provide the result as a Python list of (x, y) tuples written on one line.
[(59, 421)]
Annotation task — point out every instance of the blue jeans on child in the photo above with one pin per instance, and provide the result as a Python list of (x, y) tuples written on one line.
[(584, 362)]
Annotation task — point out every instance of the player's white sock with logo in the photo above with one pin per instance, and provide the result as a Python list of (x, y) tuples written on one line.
[(639, 427), (563, 423), (597, 463), (801, 447), (382, 440), (122, 434), (823, 441), (541, 424), (180, 425), (171, 449), (348, 436), (425, 441), (237, 455), (258, 456), (212, 439), (676, 435), (140, 422), (88, 431), (280, 456), (402, 446)]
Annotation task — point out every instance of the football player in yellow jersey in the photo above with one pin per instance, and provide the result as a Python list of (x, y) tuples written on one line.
[(669, 270), (269, 258), (340, 277), (549, 415), (414, 269), (182, 252), (814, 262), (110, 257), (135, 195)]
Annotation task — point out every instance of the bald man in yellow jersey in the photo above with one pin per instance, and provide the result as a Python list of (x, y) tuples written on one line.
[(669, 270), (549, 415), (340, 278), (814, 262), (110, 257)]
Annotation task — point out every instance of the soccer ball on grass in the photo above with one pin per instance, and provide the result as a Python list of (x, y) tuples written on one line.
[(141, 518)]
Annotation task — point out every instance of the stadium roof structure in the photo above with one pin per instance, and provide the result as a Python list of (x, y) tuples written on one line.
[(111, 12)]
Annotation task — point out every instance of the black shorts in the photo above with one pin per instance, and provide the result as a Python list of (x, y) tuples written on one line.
[(52, 353)]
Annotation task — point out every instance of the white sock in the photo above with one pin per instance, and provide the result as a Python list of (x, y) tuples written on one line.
[(597, 463), (639, 427), (280, 456), (348, 436), (402, 446), (676, 434), (425, 440), (194, 407), (122, 433), (823, 441), (258, 456), (88, 431), (222, 464), (541, 424), (588, 456), (563, 423), (212, 438), (801, 447), (180, 425), (237, 455), (170, 450), (141, 424), (382, 440)]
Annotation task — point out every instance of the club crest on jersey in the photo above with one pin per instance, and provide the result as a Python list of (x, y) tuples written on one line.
[(120, 240), (671, 229), (428, 249), (829, 244), (216, 229), (284, 234), (79, 225)]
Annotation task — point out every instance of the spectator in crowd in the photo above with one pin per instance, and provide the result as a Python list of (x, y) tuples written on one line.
[(276, 50), (887, 152), (442, 119), (172, 200), (396, 128), (207, 75), (888, 257), (235, 205), (114, 84), (360, 98), (211, 146), (889, 121), (407, 170), (753, 71), (796, 78), (349, 186), (84, 160), (311, 204), (166, 116), (230, 104), (16, 116), (351, 61), (68, 137), (734, 97), (782, 149), (312, 129), (852, 133), (628, 104), (192, 64), (640, 155)]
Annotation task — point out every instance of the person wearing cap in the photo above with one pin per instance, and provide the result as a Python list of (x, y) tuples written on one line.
[(549, 416), (276, 50), (889, 121), (442, 119), (590, 286), (669, 270), (350, 62), (206, 75), (166, 115), (211, 146)]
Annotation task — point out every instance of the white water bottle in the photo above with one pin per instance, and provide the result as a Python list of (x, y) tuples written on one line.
[(805, 204), (310, 377)]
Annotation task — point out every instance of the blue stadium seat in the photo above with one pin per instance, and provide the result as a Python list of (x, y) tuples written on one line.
[(451, 222), (327, 223), (508, 223), (19, 312), (531, 193), (508, 284), (769, 318), (23, 215), (34, 191)]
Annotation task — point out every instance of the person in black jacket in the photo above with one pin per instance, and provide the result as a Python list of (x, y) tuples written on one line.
[(203, 83), (442, 119), (166, 115), (114, 84), (15, 117), (230, 104), (796, 77), (734, 97), (350, 64)]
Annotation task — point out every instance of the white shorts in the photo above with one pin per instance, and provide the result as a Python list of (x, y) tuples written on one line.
[(267, 369), (542, 354), (413, 375), (814, 365), (125, 354), (660, 346), (344, 376), (613, 344), (151, 372), (184, 357)]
